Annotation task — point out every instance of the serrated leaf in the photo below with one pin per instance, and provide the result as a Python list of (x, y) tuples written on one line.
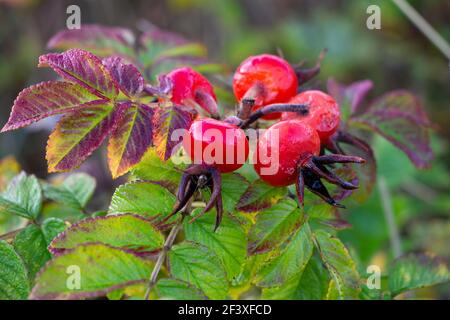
[(127, 76), (198, 265), (143, 198), (289, 262), (173, 289), (47, 99), (131, 139), (152, 168), (233, 187), (169, 122), (31, 246), (309, 284), (339, 263), (51, 227), (259, 195), (415, 271), (400, 118), (23, 197), (13, 276), (101, 269), (75, 191), (78, 134), (125, 231), (83, 68), (349, 97), (101, 40), (273, 226), (229, 241)]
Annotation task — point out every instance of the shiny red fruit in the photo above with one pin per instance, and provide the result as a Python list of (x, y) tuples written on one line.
[(284, 147), (217, 143), (324, 114), (190, 86), (267, 79)]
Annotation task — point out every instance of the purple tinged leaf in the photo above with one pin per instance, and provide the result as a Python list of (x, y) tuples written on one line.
[(96, 38), (131, 139), (47, 99), (400, 118), (83, 68), (153, 34), (167, 120), (349, 97), (163, 89), (127, 76), (78, 134)]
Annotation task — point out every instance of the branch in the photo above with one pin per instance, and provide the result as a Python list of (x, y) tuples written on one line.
[(10, 234), (388, 211), (301, 109), (162, 255)]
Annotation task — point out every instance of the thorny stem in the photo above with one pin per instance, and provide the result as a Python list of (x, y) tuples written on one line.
[(162, 255), (389, 216)]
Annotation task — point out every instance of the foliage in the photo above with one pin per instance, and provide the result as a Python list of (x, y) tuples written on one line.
[(265, 241)]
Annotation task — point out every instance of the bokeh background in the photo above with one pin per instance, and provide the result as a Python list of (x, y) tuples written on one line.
[(397, 56)]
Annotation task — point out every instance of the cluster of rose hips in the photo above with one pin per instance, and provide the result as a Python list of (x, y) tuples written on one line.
[(266, 86)]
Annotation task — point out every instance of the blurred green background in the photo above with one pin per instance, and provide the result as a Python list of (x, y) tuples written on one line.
[(397, 56)]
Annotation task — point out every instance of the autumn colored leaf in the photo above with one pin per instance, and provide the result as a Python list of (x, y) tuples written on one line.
[(77, 135), (83, 68), (127, 76), (400, 118), (131, 139), (167, 120), (47, 99)]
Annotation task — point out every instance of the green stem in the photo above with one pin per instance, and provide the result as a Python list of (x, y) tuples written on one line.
[(388, 211), (162, 255)]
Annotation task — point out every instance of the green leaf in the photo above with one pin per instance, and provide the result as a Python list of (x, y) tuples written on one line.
[(124, 231), (229, 242), (339, 263), (31, 246), (13, 275), (23, 197), (415, 271), (290, 262), (309, 284), (174, 289), (273, 226), (199, 266), (259, 196), (233, 187), (51, 227), (89, 271), (143, 198), (75, 191), (152, 168)]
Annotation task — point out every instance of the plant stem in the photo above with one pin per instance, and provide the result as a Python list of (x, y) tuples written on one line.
[(10, 234), (388, 211), (162, 255), (424, 27)]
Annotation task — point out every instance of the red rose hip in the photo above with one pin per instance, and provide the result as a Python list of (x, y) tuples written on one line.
[(324, 114), (267, 79), (189, 87), (218, 144)]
